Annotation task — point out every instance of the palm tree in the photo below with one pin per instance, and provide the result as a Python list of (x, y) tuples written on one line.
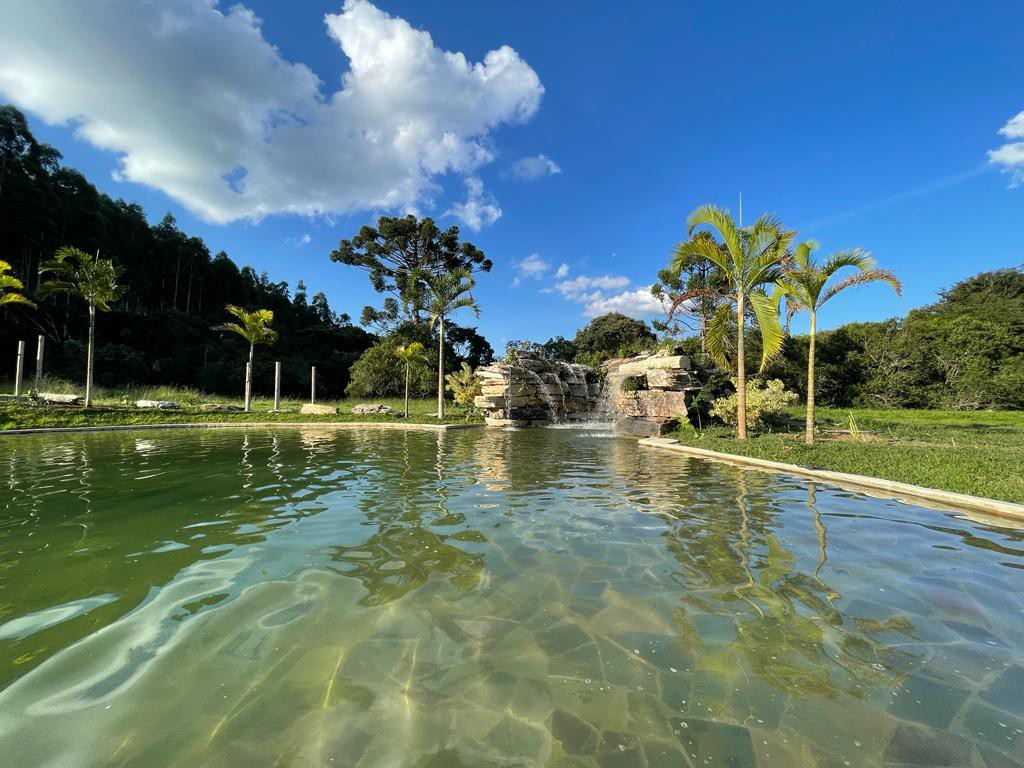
[(11, 288), (750, 258), (95, 280), (804, 288), (255, 328), (444, 294), (410, 353)]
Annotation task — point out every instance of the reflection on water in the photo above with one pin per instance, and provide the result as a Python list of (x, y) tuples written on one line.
[(487, 598)]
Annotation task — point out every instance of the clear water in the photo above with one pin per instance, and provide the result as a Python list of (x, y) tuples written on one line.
[(487, 598)]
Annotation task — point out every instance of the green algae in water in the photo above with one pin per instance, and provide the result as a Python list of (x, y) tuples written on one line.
[(487, 598)]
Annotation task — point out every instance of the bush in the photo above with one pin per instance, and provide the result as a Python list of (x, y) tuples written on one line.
[(464, 386), (764, 401), (379, 372)]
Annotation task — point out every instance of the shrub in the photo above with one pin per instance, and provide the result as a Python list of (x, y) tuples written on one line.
[(764, 400), (464, 386), (379, 372)]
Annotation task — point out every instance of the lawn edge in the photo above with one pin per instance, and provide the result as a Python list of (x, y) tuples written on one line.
[(891, 489), (241, 425)]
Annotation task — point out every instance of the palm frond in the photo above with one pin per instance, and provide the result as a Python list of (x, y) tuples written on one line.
[(721, 221), (863, 278), (854, 257), (767, 314), (717, 335), (802, 252), (703, 248)]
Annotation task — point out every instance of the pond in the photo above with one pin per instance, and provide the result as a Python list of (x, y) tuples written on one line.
[(545, 597)]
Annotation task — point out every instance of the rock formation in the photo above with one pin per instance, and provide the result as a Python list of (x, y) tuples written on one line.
[(530, 392), (649, 392)]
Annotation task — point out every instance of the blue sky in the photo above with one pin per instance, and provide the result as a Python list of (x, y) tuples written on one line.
[(866, 124)]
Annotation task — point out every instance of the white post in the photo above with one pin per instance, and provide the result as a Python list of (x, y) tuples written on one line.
[(39, 360), (277, 386), (19, 369), (248, 387), (312, 385)]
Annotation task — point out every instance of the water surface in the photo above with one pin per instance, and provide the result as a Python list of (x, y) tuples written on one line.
[(311, 597)]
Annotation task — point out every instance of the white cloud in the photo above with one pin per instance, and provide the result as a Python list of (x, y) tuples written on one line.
[(479, 209), (298, 242), (582, 286), (196, 103), (1011, 155), (533, 266), (530, 168), (562, 271), (638, 303)]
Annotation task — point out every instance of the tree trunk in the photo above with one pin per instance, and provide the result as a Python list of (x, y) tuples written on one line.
[(809, 436), (440, 368), (248, 380), (703, 335), (407, 367), (88, 355), (741, 373)]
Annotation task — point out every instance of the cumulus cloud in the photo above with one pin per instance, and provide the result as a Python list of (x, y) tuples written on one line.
[(533, 266), (638, 303), (479, 208), (1011, 155), (298, 242), (530, 168), (583, 286), (562, 271), (196, 103)]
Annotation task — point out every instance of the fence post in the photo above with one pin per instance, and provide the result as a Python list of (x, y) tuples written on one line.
[(19, 369), (277, 386), (312, 385), (39, 360)]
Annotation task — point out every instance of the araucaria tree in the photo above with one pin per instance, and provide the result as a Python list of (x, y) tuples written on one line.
[(398, 255), (804, 286), (750, 259), (11, 288), (255, 328), (94, 280), (442, 295), (691, 288), (409, 353)]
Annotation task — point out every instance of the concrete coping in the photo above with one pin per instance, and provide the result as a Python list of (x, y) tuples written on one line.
[(244, 425), (873, 486)]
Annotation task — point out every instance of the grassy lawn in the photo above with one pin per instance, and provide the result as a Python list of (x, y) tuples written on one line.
[(979, 453), (110, 409)]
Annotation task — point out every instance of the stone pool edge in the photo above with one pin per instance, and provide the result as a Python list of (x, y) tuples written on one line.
[(242, 425), (887, 488)]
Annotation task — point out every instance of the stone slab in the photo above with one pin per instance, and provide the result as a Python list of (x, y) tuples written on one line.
[(162, 405), (323, 410)]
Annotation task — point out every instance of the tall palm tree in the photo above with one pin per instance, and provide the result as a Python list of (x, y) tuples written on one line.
[(444, 294), (751, 258), (255, 328), (410, 353), (95, 280), (11, 288), (805, 287)]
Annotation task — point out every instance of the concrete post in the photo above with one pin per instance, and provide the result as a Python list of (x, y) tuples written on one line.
[(39, 361), (277, 386), (19, 368), (312, 385)]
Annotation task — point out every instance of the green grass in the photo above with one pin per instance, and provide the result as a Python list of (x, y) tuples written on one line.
[(109, 409), (979, 453)]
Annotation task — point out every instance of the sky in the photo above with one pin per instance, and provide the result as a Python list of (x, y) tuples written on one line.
[(568, 140)]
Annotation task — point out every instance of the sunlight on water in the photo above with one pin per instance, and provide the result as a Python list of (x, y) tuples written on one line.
[(545, 597)]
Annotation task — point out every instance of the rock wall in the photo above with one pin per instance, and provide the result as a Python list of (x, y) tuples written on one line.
[(650, 392), (530, 392)]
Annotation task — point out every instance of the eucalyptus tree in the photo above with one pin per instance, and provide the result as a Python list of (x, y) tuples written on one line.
[(409, 353), (443, 294), (750, 258), (11, 288), (93, 279), (255, 328), (804, 286)]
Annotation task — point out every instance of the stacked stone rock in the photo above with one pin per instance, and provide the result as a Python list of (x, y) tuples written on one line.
[(529, 392), (649, 392)]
